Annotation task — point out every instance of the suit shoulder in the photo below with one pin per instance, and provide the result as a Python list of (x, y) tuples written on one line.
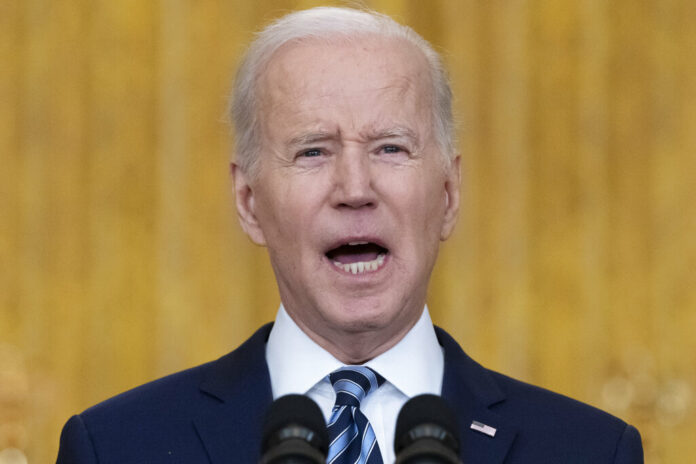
[(170, 390), (553, 425), (180, 390), (546, 404), (545, 426)]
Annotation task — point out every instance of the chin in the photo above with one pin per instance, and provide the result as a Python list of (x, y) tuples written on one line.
[(362, 325), (354, 318)]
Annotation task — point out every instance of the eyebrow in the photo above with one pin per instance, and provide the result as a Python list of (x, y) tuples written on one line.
[(313, 137), (391, 132), (370, 135)]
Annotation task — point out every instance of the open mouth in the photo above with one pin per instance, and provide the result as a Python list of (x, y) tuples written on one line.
[(358, 257)]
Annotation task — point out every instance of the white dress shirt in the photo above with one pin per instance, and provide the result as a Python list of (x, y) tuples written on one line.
[(412, 367)]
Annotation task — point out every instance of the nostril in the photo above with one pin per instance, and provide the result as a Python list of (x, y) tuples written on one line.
[(357, 204)]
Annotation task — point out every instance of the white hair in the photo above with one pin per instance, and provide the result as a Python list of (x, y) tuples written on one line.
[(328, 23)]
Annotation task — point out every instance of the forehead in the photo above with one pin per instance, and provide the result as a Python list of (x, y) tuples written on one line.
[(366, 75)]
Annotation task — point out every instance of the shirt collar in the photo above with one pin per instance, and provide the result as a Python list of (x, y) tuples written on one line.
[(295, 362), (415, 365)]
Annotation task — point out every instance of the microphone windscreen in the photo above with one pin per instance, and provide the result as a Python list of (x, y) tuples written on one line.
[(422, 410), (291, 414)]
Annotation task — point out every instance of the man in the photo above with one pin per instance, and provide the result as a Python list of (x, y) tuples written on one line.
[(346, 172)]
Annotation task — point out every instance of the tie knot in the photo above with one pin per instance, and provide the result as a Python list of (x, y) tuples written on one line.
[(353, 383)]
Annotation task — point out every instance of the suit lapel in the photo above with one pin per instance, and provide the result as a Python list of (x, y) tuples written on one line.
[(238, 391), (471, 391)]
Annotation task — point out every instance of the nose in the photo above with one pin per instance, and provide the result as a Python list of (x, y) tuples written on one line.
[(353, 181)]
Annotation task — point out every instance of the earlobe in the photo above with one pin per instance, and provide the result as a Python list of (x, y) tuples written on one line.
[(245, 201), (451, 198)]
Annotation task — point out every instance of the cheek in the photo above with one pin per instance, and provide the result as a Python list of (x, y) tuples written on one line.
[(431, 207), (285, 212), (421, 201), (272, 214)]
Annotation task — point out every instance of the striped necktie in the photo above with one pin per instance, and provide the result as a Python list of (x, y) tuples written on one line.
[(351, 438)]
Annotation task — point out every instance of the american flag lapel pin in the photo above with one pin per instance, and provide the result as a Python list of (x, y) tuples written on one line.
[(483, 428)]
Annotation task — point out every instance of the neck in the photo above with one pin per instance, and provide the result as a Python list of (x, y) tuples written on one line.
[(357, 345)]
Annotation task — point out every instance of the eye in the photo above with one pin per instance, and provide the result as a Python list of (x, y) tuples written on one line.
[(311, 153), (391, 149)]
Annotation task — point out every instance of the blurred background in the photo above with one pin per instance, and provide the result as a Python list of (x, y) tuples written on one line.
[(573, 265)]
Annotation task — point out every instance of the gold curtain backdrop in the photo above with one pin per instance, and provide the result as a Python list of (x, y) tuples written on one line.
[(573, 265)]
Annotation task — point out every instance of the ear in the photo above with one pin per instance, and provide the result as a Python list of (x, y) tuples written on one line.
[(452, 180), (246, 205)]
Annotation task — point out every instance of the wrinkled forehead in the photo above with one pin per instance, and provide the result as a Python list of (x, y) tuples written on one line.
[(312, 71)]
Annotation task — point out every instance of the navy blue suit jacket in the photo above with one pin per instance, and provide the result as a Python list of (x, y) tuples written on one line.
[(213, 413)]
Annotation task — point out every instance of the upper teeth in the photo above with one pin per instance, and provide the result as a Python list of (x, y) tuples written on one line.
[(362, 266), (358, 243)]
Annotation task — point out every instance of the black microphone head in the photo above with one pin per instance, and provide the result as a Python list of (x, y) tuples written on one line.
[(426, 417), (297, 419)]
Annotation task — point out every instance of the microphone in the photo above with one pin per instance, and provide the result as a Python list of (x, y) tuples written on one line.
[(294, 432), (426, 432)]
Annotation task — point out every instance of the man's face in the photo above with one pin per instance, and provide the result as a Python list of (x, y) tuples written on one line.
[(352, 194)]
